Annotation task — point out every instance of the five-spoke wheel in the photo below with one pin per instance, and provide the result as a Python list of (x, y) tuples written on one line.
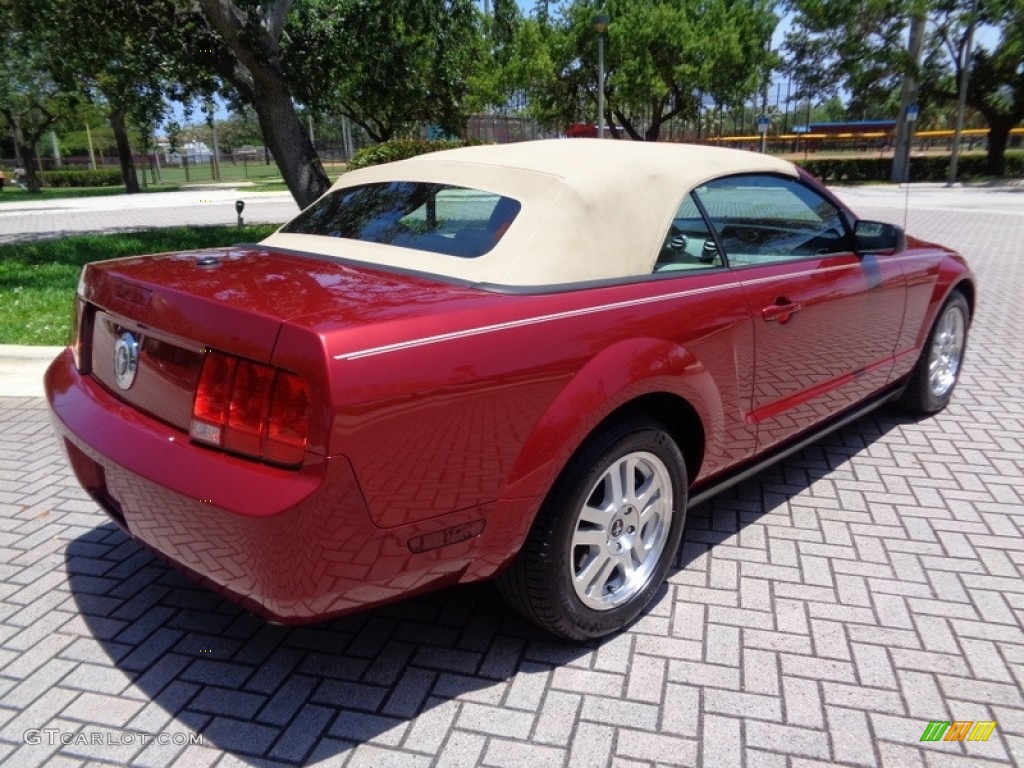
[(931, 384), (621, 531), (605, 537)]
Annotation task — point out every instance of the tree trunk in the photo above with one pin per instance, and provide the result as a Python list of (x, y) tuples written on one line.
[(289, 143), (33, 179), (998, 136), (653, 131), (256, 73), (908, 96), (24, 147), (124, 151), (627, 126)]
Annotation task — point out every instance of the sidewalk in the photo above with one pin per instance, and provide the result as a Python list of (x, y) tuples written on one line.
[(32, 219), (21, 369)]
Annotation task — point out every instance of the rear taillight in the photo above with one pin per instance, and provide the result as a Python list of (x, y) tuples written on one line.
[(252, 409), (287, 419), (78, 334), (81, 328)]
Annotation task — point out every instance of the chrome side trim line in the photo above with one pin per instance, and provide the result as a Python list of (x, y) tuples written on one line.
[(582, 312), (526, 321)]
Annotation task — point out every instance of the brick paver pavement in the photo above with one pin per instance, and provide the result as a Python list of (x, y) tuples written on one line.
[(822, 613)]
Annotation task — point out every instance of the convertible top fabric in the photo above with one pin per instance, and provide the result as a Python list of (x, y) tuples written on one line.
[(591, 209)]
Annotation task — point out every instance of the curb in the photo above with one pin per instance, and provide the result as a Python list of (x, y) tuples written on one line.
[(22, 368)]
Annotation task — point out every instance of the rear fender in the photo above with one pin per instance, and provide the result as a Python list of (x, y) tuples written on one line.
[(617, 376)]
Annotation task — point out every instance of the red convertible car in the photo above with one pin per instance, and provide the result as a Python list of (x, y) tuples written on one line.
[(519, 361)]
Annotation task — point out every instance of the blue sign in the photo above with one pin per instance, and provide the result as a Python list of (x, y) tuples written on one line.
[(912, 112), (762, 124)]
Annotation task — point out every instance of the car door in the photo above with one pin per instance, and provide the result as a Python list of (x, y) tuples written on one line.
[(826, 319)]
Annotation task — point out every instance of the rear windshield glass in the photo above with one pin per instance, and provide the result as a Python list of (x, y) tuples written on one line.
[(429, 217)]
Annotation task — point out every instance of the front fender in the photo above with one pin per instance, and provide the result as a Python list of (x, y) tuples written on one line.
[(617, 376), (951, 273)]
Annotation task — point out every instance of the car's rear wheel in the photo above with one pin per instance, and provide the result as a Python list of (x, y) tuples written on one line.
[(934, 378), (605, 537)]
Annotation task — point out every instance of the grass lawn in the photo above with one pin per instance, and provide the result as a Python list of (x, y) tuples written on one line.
[(37, 280), (247, 171)]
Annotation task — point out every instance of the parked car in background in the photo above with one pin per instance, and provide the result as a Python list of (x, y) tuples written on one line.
[(521, 361)]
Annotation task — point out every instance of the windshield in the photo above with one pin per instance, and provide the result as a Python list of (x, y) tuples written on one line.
[(428, 217)]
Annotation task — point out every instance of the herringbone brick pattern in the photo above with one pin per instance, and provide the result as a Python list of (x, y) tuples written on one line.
[(822, 613)]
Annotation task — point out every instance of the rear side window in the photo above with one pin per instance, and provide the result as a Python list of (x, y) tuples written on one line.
[(688, 244), (428, 217)]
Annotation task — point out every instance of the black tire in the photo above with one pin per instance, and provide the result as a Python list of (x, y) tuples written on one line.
[(937, 371), (571, 539)]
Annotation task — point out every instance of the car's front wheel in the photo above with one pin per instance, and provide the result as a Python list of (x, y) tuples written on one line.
[(931, 384), (605, 537)]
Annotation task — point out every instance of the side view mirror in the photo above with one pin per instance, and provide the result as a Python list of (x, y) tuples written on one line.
[(878, 236)]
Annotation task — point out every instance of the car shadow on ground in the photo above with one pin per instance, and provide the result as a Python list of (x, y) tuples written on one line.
[(724, 517), (387, 676), (298, 694)]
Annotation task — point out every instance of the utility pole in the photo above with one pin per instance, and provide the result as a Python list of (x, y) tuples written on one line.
[(55, 149), (600, 24), (215, 166), (908, 95), (785, 116), (92, 153)]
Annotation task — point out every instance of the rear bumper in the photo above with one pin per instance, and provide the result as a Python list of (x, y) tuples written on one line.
[(291, 545)]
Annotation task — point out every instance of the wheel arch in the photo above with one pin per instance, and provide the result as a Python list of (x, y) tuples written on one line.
[(679, 418), (967, 288), (659, 379)]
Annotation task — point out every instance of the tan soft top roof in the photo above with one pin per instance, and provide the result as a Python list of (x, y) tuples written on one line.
[(591, 209)]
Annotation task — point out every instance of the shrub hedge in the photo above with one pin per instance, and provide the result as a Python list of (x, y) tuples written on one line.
[(101, 177), (400, 149), (931, 168)]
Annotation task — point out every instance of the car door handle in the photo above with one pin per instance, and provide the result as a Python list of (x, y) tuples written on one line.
[(781, 311)]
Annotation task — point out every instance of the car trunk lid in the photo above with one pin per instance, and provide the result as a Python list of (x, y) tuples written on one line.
[(175, 307)]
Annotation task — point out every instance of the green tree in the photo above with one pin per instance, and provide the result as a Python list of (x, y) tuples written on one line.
[(199, 44), (659, 59), (245, 48), (996, 72), (860, 47), (115, 65), (31, 101), (497, 83), (857, 46), (239, 130), (387, 64)]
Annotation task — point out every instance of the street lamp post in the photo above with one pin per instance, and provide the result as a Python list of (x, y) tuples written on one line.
[(600, 25)]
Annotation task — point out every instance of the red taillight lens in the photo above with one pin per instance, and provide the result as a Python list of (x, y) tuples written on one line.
[(78, 333), (248, 404), (287, 419), (210, 406), (251, 409)]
